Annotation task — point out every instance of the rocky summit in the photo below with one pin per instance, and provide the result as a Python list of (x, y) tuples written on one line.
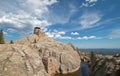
[(37, 55)]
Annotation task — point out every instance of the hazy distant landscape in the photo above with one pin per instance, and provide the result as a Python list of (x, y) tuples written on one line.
[(103, 51)]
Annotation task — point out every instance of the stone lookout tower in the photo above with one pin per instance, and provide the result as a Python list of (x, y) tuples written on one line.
[(37, 30)]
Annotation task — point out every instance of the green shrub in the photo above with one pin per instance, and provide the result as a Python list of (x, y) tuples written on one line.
[(1, 37), (11, 42), (35, 41)]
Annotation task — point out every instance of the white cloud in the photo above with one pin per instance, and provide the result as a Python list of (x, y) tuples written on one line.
[(109, 21), (22, 23), (74, 33), (56, 18), (114, 34), (92, 37), (39, 3), (38, 7), (5, 33), (57, 34), (85, 5), (26, 16), (50, 34), (86, 37), (89, 3), (63, 37), (60, 15), (73, 8), (88, 20), (11, 30)]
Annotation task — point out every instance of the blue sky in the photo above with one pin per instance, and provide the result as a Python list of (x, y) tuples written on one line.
[(85, 23)]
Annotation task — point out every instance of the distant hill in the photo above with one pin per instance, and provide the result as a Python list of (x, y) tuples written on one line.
[(103, 51)]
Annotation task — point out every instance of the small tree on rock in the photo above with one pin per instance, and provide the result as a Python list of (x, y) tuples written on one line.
[(35, 41), (94, 64), (1, 37), (11, 42)]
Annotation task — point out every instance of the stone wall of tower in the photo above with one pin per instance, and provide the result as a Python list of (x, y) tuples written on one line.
[(37, 30)]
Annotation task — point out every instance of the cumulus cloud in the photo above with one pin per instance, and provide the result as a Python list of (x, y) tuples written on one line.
[(24, 24), (89, 3), (61, 35), (24, 15), (88, 20), (56, 34), (74, 33), (114, 34)]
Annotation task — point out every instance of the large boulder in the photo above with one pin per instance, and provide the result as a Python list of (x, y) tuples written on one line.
[(20, 60)]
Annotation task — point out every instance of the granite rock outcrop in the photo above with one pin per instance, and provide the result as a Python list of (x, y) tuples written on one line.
[(37, 55)]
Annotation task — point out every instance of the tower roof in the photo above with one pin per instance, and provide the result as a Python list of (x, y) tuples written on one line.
[(37, 28)]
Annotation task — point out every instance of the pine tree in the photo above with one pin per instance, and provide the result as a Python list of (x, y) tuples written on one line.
[(92, 60), (35, 41), (1, 37), (11, 42), (94, 64)]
